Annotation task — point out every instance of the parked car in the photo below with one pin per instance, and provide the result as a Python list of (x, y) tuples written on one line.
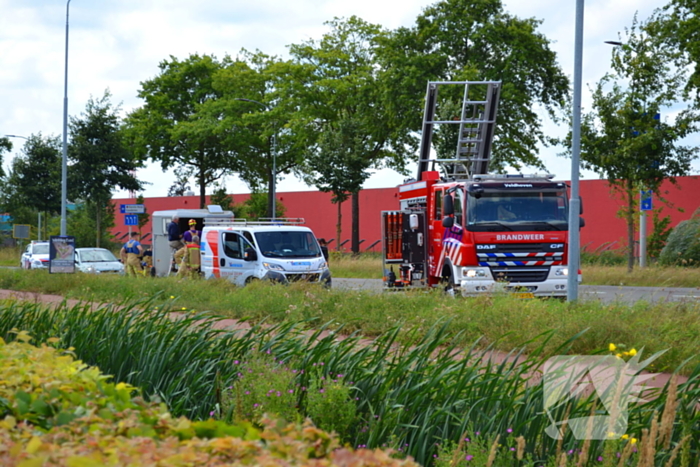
[(97, 261), (35, 256)]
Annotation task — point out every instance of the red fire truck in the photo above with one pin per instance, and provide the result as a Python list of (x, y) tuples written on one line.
[(465, 230)]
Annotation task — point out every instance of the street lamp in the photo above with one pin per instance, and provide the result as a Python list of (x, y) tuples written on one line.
[(64, 159), (575, 201), (273, 189)]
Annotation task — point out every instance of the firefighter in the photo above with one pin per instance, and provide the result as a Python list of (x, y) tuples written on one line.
[(190, 265), (187, 238), (130, 255)]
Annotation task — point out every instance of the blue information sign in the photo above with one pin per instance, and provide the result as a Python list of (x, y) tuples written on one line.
[(131, 219), (132, 208), (646, 204)]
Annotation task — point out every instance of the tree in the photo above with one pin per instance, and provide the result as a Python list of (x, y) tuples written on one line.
[(256, 117), (677, 26), (477, 40), (100, 161), (33, 184), (181, 185), (5, 146), (169, 128), (145, 217), (221, 198), (342, 101), (624, 138)]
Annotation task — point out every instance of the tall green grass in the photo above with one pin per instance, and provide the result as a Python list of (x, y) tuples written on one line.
[(501, 321), (412, 396)]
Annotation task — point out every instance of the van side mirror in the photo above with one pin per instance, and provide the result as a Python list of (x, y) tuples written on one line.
[(250, 255), (581, 222)]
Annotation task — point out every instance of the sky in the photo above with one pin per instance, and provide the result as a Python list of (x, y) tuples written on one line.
[(117, 44)]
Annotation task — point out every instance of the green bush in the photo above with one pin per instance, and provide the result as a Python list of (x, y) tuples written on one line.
[(57, 411), (683, 245)]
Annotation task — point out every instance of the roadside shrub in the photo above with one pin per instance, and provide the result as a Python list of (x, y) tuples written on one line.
[(683, 245), (57, 411)]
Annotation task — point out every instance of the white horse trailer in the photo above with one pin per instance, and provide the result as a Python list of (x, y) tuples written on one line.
[(162, 255)]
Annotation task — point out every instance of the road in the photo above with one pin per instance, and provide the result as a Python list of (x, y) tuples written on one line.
[(602, 293)]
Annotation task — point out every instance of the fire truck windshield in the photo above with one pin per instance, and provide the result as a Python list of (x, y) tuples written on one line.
[(495, 211)]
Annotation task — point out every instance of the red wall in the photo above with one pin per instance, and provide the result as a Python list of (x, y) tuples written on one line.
[(600, 207)]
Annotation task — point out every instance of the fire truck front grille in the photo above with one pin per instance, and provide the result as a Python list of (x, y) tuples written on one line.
[(520, 274)]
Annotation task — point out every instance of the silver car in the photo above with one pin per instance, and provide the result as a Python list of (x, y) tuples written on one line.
[(97, 261)]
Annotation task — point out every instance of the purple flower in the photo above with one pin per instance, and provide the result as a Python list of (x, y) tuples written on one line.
[(291, 391), (321, 390), (509, 430), (467, 440), (339, 376), (247, 392), (600, 458), (235, 362), (477, 433), (255, 405), (321, 363), (211, 414), (512, 449), (469, 457)]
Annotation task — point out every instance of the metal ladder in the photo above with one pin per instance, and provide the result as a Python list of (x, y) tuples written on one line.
[(476, 121)]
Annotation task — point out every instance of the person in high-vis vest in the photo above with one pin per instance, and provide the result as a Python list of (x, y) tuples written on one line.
[(190, 265), (131, 255), (193, 257)]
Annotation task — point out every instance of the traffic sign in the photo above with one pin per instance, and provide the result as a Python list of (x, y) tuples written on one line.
[(646, 204), (131, 219), (132, 209)]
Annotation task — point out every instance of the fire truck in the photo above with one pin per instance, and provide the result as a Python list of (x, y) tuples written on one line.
[(468, 231)]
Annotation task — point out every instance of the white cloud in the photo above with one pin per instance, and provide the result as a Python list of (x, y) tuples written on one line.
[(116, 44)]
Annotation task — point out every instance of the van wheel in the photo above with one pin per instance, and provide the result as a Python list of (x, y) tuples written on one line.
[(251, 279)]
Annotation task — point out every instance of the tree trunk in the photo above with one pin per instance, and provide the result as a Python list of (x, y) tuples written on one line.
[(97, 226), (629, 217), (202, 192), (355, 223), (339, 226)]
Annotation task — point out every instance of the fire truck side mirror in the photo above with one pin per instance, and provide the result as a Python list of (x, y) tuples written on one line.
[(448, 206), (581, 222), (448, 222)]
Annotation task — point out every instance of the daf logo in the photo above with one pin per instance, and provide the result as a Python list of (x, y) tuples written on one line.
[(486, 247), (556, 246)]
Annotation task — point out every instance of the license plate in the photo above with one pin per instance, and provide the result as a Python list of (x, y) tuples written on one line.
[(525, 295)]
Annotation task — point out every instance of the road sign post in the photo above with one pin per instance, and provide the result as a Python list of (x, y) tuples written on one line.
[(645, 204)]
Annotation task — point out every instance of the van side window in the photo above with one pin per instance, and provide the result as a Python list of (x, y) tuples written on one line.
[(249, 236), (232, 245)]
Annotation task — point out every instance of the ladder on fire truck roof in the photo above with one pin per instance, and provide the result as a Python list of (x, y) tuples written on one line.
[(477, 120)]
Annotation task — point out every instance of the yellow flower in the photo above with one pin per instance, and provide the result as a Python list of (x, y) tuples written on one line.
[(172, 296), (184, 308), (612, 347), (633, 440), (633, 352), (625, 436), (618, 355)]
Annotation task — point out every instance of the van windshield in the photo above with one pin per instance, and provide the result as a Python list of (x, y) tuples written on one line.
[(283, 244)]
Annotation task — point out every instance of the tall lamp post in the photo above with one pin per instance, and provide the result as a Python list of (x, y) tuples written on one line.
[(273, 189), (575, 201), (64, 159)]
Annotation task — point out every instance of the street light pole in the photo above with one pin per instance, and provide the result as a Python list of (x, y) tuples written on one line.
[(575, 201), (64, 159), (273, 188)]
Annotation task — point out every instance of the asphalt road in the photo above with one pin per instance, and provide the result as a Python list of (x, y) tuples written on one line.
[(602, 293)]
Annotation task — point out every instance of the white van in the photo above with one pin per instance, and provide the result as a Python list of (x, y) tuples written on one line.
[(162, 253), (279, 250)]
